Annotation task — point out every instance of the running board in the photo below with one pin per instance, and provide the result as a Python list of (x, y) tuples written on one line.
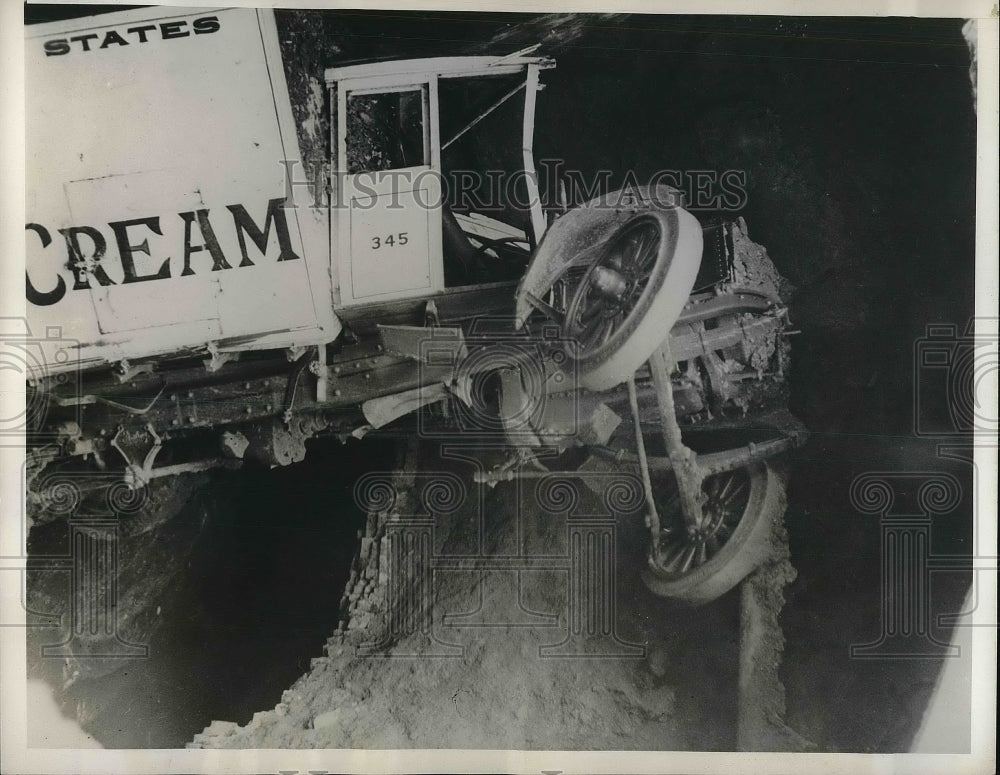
[(434, 345)]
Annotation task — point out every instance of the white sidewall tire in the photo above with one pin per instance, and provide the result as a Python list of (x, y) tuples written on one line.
[(650, 322), (747, 548)]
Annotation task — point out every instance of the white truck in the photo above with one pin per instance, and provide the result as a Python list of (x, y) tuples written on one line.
[(195, 299)]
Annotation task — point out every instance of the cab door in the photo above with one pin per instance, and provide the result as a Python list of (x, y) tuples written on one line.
[(387, 221)]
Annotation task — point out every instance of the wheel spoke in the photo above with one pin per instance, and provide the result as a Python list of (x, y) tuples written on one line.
[(608, 329), (729, 483), (592, 331), (586, 337), (734, 494), (591, 323), (641, 258), (637, 290), (689, 552), (651, 250), (671, 557), (638, 250), (597, 337), (588, 331), (588, 312)]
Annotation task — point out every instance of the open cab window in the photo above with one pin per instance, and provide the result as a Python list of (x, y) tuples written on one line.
[(387, 130)]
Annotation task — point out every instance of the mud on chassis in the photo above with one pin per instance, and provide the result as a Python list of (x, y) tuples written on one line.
[(644, 341)]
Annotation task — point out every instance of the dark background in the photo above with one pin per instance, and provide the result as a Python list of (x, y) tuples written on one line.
[(857, 137)]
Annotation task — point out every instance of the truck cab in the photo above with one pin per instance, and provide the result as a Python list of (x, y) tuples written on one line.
[(404, 223)]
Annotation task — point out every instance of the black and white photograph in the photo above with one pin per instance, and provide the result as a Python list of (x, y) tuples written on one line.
[(518, 388)]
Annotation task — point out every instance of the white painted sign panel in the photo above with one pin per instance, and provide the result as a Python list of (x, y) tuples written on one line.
[(155, 187)]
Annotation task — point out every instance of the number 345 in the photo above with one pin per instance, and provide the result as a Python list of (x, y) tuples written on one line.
[(390, 241)]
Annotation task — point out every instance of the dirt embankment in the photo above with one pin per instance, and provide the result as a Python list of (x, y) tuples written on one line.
[(227, 583), (432, 657), (461, 630), (485, 658)]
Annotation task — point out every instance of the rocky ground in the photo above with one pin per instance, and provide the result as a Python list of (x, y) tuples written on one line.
[(498, 678), (264, 601), (712, 678), (391, 679), (492, 666)]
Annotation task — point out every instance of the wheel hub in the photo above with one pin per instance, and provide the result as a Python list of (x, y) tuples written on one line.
[(609, 283)]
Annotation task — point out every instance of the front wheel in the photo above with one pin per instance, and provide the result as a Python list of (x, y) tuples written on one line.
[(631, 295), (731, 539)]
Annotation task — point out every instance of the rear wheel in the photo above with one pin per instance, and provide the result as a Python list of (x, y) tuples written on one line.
[(732, 537)]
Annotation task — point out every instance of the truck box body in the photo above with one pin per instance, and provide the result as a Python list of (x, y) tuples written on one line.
[(158, 145)]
